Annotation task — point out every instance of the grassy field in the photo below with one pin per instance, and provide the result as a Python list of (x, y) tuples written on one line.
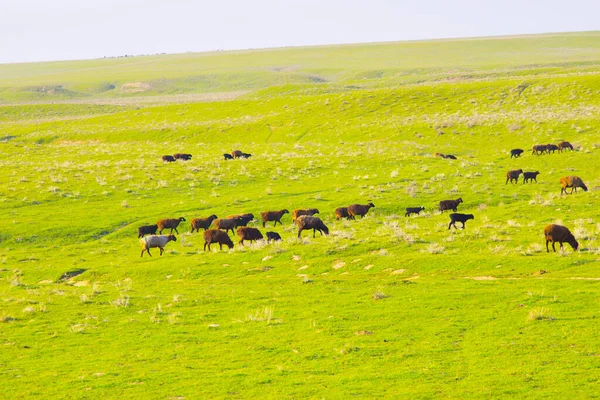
[(383, 307)]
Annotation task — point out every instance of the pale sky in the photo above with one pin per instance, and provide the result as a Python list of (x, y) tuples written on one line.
[(39, 30)]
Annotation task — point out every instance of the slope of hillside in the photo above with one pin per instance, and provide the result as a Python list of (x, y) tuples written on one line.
[(383, 307)]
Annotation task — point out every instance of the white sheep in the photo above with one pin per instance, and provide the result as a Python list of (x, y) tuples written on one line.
[(159, 241)]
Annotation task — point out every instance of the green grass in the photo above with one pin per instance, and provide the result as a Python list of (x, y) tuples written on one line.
[(385, 307)]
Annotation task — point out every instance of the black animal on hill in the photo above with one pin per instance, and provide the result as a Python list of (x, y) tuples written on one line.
[(456, 217), (516, 153), (413, 210)]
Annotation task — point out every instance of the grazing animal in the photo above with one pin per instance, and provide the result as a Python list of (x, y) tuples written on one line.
[(450, 156), (564, 145), (248, 233), (226, 224), (203, 223), (516, 153), (216, 236), (243, 219), (558, 233), (169, 223), (228, 156), (341, 212), (182, 156), (152, 241), (450, 204), (358, 209), (439, 155), (273, 216), (168, 158), (413, 210), (572, 182), (236, 153), (308, 222), (300, 212), (513, 175), (530, 176), (551, 148), (147, 230), (539, 149), (246, 155), (274, 236), (456, 217)]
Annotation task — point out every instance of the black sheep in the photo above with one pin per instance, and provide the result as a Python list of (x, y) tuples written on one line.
[(147, 230), (456, 217), (274, 236), (228, 156), (516, 153), (413, 210)]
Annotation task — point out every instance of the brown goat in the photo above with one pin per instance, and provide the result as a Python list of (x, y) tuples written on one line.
[(551, 148), (513, 175), (237, 153), (341, 212), (243, 219), (274, 216), (248, 233), (307, 222), (450, 204), (359, 209), (300, 212), (564, 145), (558, 233), (217, 236), (226, 224), (572, 182), (539, 149), (203, 223), (169, 223)]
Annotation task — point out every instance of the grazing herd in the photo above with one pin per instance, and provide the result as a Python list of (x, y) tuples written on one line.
[(186, 157), (305, 220)]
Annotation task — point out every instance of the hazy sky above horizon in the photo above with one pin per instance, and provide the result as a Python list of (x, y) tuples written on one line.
[(40, 30)]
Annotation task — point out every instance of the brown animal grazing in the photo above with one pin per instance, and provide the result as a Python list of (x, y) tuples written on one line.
[(147, 230), (273, 216), (226, 224), (572, 182), (450, 204), (168, 159), (439, 155), (243, 219), (530, 176), (247, 233), (300, 212), (274, 236), (236, 153), (539, 149), (169, 223), (551, 148), (564, 145), (307, 222), (358, 209), (182, 156), (153, 241), (203, 223), (217, 236), (513, 175), (558, 233), (341, 212)]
